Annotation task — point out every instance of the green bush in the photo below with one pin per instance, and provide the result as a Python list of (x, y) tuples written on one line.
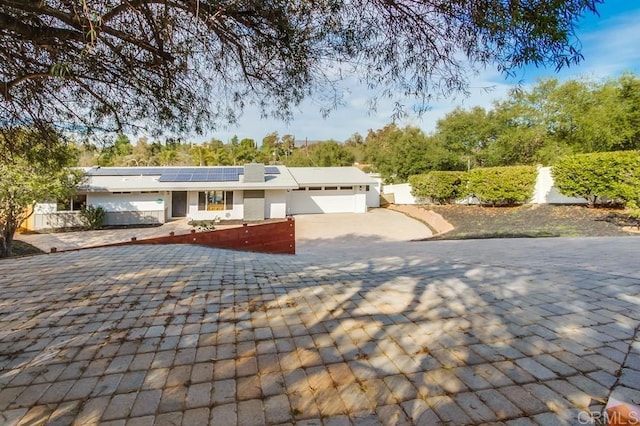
[(93, 216), (503, 185), (439, 187), (612, 175)]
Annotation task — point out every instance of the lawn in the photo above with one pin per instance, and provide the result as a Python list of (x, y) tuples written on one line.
[(531, 220)]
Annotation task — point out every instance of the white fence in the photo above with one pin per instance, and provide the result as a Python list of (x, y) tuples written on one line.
[(544, 192)]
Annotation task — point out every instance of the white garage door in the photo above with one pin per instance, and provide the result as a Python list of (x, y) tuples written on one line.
[(322, 201)]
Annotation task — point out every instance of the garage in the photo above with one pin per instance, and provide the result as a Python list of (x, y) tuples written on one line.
[(329, 190), (307, 200)]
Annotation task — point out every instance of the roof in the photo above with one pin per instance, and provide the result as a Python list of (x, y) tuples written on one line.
[(179, 174), (182, 178), (119, 179), (330, 176)]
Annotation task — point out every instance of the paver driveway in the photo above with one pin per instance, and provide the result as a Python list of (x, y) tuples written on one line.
[(460, 332)]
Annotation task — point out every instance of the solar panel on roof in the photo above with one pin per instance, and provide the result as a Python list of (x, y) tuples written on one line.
[(180, 174)]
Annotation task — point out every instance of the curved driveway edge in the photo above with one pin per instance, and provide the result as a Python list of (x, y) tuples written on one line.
[(435, 220)]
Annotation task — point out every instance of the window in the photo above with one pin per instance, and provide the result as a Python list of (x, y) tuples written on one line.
[(315, 188), (215, 200), (330, 188), (71, 204), (347, 188)]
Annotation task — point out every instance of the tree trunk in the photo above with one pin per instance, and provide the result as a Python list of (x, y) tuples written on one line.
[(6, 241)]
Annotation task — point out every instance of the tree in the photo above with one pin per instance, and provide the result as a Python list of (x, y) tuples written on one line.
[(288, 145), (399, 153), (113, 155), (467, 133), (33, 167), (321, 154), (187, 65), (141, 154), (200, 155), (271, 148), (355, 145), (246, 151)]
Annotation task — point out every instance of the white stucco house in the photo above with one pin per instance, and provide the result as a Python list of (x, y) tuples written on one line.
[(137, 195)]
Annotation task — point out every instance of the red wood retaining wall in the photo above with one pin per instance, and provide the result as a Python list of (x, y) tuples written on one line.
[(276, 237)]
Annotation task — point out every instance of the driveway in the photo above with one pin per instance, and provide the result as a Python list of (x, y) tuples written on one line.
[(518, 332), (320, 230), (79, 239), (316, 232)]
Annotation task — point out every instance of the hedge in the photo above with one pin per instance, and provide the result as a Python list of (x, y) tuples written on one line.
[(611, 175), (439, 187), (503, 185)]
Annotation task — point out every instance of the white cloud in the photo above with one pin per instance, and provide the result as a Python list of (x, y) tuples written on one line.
[(614, 48)]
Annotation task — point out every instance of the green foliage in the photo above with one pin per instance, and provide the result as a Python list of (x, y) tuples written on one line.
[(93, 216), (321, 154), (111, 154), (466, 134), (399, 153), (439, 187), (550, 120), (33, 167), (503, 185), (612, 175)]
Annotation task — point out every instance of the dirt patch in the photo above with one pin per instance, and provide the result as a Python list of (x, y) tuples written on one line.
[(20, 248), (532, 220)]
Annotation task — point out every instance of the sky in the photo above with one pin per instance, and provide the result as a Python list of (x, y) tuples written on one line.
[(610, 46)]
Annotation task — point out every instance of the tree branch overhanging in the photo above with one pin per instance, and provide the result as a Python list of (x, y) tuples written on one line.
[(147, 56)]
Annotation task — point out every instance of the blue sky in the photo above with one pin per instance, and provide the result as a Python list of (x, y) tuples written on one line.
[(610, 46)]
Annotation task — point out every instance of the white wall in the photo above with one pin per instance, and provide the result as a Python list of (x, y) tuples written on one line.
[(373, 195), (44, 208), (53, 220), (136, 201), (275, 204), (402, 193), (546, 193)]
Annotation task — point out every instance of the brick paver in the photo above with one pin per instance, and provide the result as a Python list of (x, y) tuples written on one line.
[(514, 331)]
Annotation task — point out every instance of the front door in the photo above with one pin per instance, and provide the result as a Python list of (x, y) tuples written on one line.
[(178, 203)]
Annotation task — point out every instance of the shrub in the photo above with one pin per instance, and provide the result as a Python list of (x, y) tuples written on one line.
[(613, 175), (503, 185), (93, 216), (439, 187)]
